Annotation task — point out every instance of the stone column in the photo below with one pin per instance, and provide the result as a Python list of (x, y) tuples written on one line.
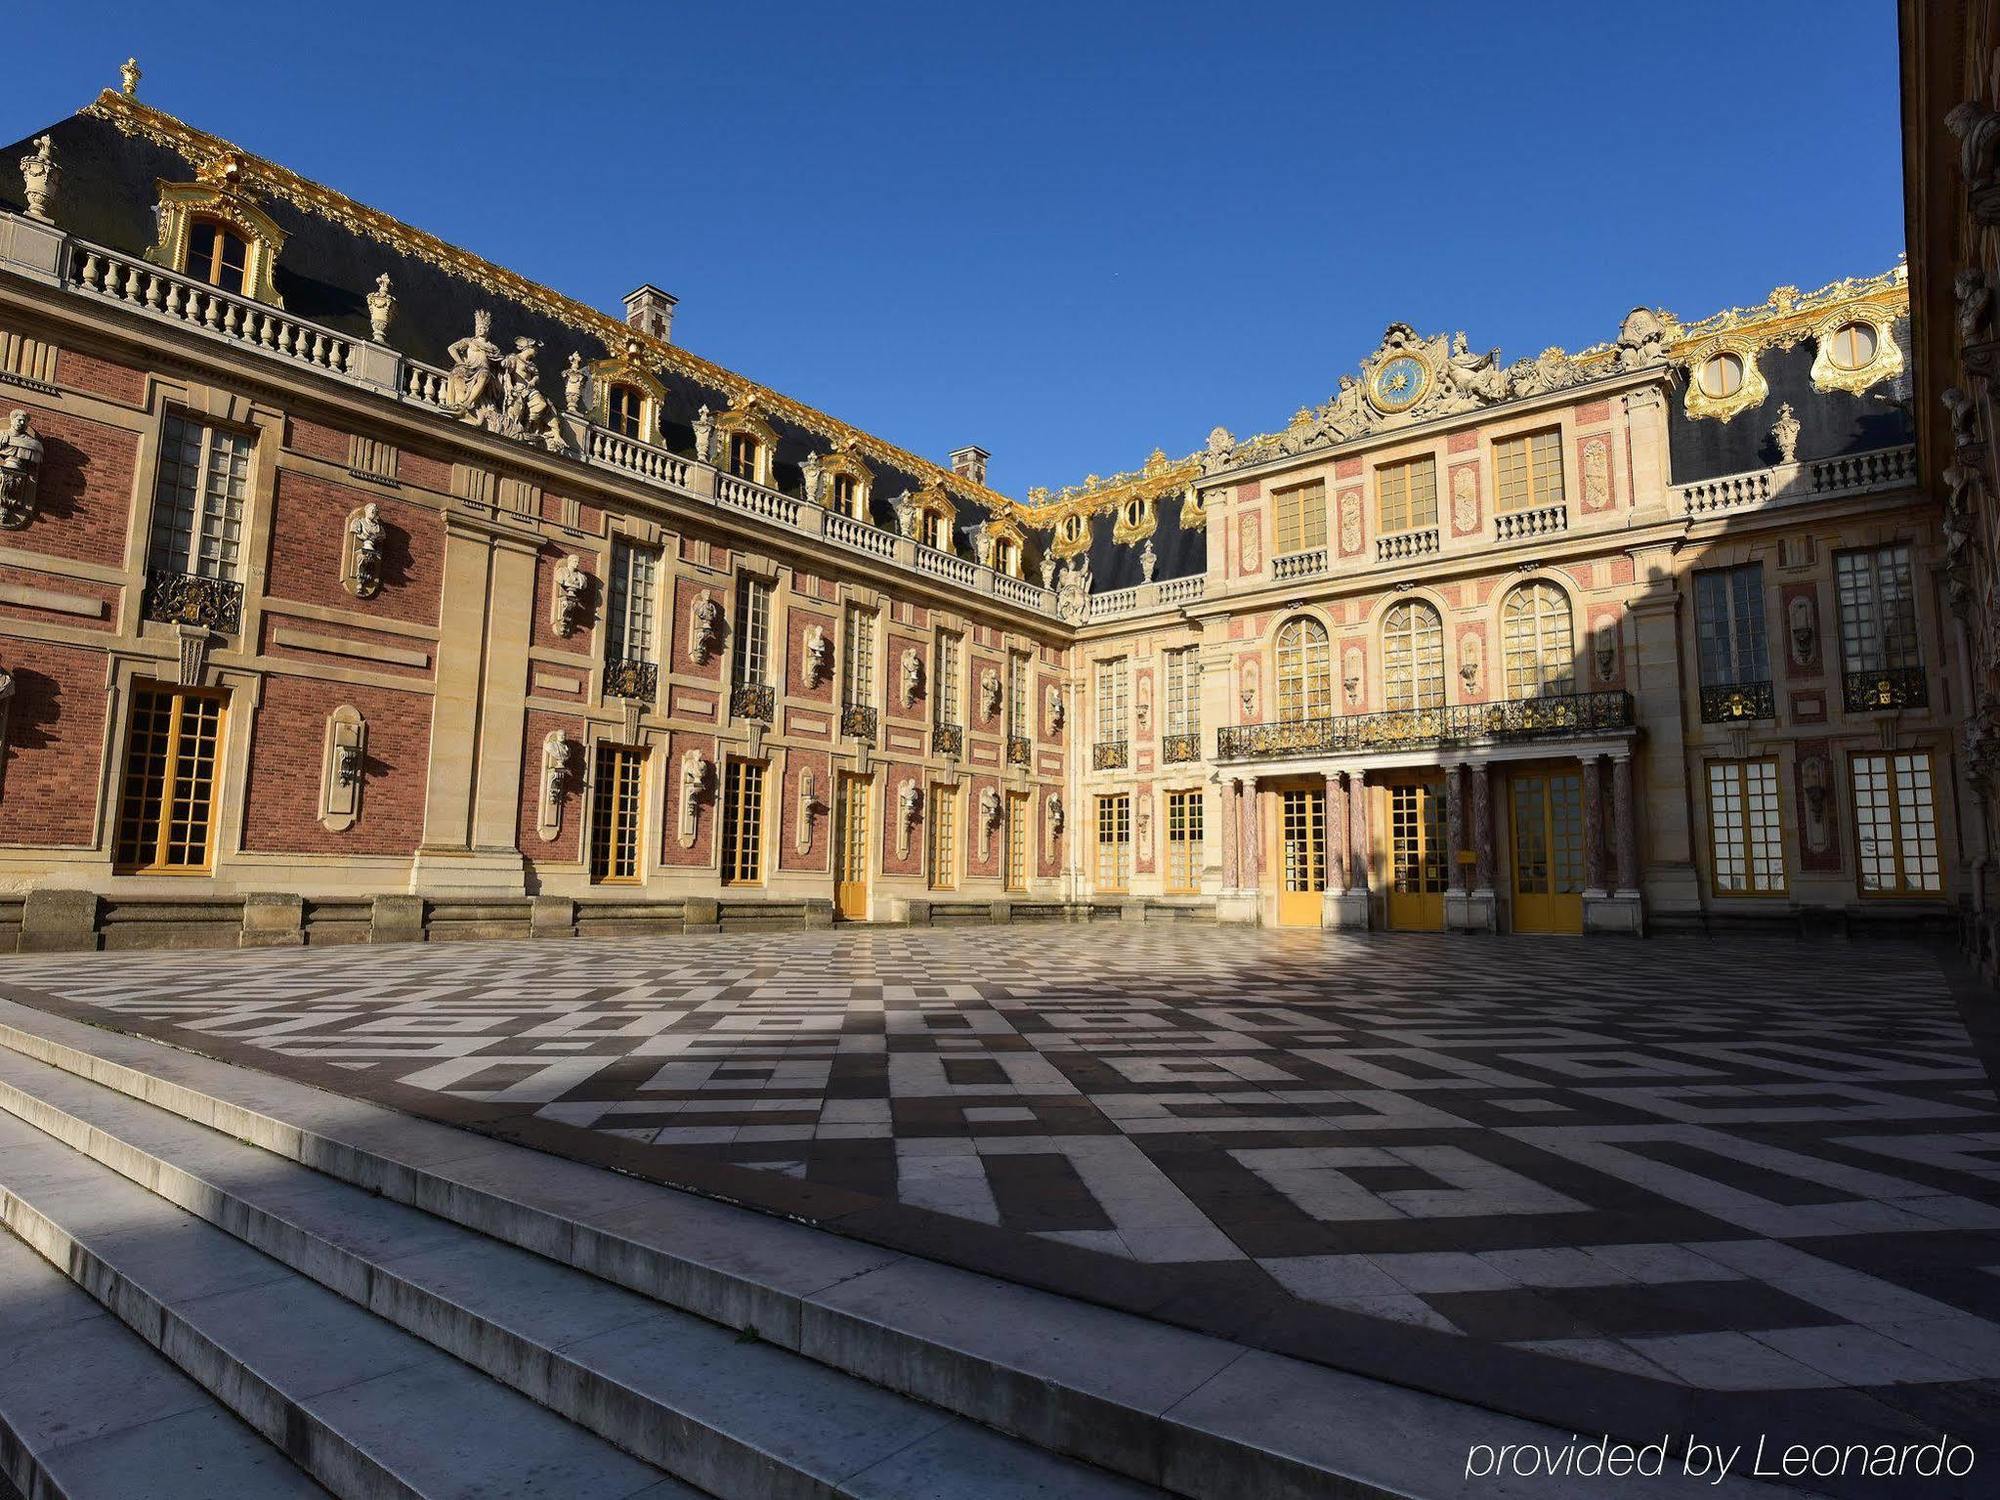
[(1231, 819), (1337, 866), (1482, 828), (1252, 856), (1593, 827), (1454, 825), (1627, 833), (1357, 808)]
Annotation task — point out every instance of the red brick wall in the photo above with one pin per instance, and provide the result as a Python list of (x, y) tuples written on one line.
[(55, 728), (547, 564), (85, 493), (281, 799), (309, 531), (818, 849), (27, 615), (973, 789), (316, 441), (273, 622), (425, 471), (527, 835), (891, 791), (709, 809), (792, 669), (101, 377), (919, 708), (686, 591)]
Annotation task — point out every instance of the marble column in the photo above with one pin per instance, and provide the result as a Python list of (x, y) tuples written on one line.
[(1626, 831), (1252, 855), (1593, 825), (1336, 831), (1231, 815), (1482, 827), (1454, 826), (1357, 808)]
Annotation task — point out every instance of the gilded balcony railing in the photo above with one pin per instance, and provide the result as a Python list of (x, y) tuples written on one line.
[(1175, 748), (1555, 717), (185, 599), (752, 700), (948, 739), (638, 680), (1733, 702), (1020, 750), (857, 721), (1110, 755), (1886, 688)]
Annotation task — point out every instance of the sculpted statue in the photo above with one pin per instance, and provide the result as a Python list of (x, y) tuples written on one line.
[(365, 530), (1800, 620), (39, 175), (1148, 561), (1474, 379), (1974, 294), (527, 413), (694, 780), (1785, 433), (912, 676), (559, 755), (1073, 592), (1964, 419), (704, 434), (1642, 340), (989, 690), (473, 389), (989, 807), (819, 656), (572, 587), (381, 304), (1046, 565), (1056, 814), (706, 627), (574, 379), (1053, 707), (1978, 131), (20, 472)]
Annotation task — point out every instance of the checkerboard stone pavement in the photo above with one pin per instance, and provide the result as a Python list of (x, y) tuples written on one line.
[(1753, 1167)]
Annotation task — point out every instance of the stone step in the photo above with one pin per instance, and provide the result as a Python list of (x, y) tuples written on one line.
[(369, 1411), (90, 1411), (738, 1417), (1194, 1415)]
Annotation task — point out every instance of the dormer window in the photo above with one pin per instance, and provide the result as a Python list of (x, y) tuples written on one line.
[(626, 411), (217, 255), (1007, 556), (1852, 346), (743, 453), (845, 496), (937, 530), (1721, 376), (1073, 534)]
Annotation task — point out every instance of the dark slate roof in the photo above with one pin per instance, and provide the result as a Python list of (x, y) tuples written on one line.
[(1830, 422), (107, 193), (1178, 552)]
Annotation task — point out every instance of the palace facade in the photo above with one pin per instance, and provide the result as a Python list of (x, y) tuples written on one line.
[(353, 587)]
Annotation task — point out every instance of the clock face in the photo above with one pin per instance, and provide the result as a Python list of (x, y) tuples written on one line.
[(1399, 383)]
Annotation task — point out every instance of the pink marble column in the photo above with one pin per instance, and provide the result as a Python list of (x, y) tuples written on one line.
[(1593, 825), (1252, 858), (1336, 831), (1627, 831), (1454, 825), (1231, 815), (1482, 826), (1357, 807)]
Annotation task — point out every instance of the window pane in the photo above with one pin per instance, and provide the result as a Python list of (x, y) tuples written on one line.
[(1536, 637), (1305, 673)]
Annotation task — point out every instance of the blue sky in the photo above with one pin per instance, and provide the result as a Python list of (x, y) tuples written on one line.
[(1066, 232)]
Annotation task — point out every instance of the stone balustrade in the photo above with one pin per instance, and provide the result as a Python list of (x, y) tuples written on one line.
[(1816, 479), (1295, 565), (1525, 525), (1402, 545)]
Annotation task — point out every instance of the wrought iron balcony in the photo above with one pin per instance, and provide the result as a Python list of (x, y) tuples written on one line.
[(638, 680), (1737, 702), (1563, 716), (948, 739), (1020, 750), (752, 700), (857, 721), (1887, 688), (1175, 748), (1110, 755), (186, 599)]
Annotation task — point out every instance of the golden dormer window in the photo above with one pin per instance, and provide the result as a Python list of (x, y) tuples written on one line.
[(743, 453), (1852, 346), (217, 254), (937, 530), (1721, 376), (1007, 556), (625, 411), (845, 496)]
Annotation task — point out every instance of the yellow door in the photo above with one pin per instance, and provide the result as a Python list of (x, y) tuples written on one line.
[(850, 891), (1548, 852), (1302, 840), (1417, 856)]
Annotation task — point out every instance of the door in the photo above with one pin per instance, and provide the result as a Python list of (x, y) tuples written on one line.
[(1419, 866), (850, 891), (1302, 869), (1548, 851)]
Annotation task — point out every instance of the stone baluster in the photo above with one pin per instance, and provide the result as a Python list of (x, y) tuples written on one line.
[(1593, 826), (1338, 865), (1626, 830)]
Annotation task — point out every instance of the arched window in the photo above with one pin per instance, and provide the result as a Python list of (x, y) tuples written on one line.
[(1413, 657), (1852, 346), (626, 410), (1539, 643), (217, 254), (1305, 671)]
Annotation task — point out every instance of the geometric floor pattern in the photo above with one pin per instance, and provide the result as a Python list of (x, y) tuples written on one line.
[(1742, 1165)]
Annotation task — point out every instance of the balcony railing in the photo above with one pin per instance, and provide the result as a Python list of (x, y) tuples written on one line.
[(637, 680), (1818, 479), (645, 460), (1180, 590), (948, 740), (1020, 750), (1736, 702), (1404, 545), (1114, 602), (1887, 688), (1293, 565), (859, 535), (857, 721), (1110, 755), (752, 700), (1522, 525), (1562, 716), (741, 494), (185, 599), (1175, 748)]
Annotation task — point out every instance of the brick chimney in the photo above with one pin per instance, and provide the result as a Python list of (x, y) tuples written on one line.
[(651, 311), (970, 463)]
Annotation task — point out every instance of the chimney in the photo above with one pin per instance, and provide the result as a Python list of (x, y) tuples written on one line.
[(651, 311), (970, 463)]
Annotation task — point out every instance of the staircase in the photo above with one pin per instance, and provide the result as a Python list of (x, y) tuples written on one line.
[(220, 1283)]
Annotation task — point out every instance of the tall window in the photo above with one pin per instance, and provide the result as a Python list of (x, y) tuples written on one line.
[(934, 527), (1112, 703), (1407, 494), (1729, 625), (1305, 671), (743, 455), (944, 838), (1878, 609), (1184, 842), (1114, 843), (944, 678), (626, 407), (1183, 691), (628, 605), (198, 500), (1536, 637), (1019, 725), (1413, 657), (846, 496), (860, 656), (1529, 470), (1895, 824), (616, 803), (1301, 518), (1745, 829), (1018, 826), (217, 254), (743, 823), (1007, 556), (166, 815), (753, 632)]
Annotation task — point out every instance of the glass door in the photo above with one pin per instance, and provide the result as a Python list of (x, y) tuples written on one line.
[(1548, 851), (1418, 868), (1302, 844), (850, 891)]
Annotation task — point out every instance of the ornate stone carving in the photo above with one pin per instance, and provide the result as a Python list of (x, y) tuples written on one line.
[(694, 784), (1148, 561), (7, 689), (1046, 566), (1073, 592), (704, 628), (813, 476), (1351, 671), (343, 767), (1465, 499), (1219, 453), (1785, 433), (576, 384), (363, 574), (1973, 293), (1802, 629), (128, 77), (1978, 131), (1815, 786), (704, 435), (817, 661), (991, 810), (989, 691), (808, 805), (1642, 340), (501, 393), (1468, 663), (1350, 523), (39, 176), (910, 679), (909, 812), (1057, 815), (1596, 473), (1965, 434), (381, 308), (20, 472), (571, 597), (559, 766), (907, 513), (1053, 708)]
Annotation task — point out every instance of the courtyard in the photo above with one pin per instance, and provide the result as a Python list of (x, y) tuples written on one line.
[(1715, 1181)]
